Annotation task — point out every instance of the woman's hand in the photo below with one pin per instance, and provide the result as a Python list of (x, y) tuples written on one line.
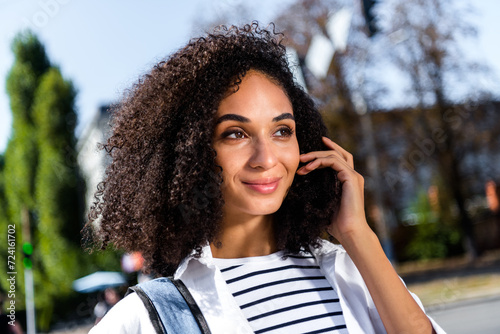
[(350, 218), (398, 310)]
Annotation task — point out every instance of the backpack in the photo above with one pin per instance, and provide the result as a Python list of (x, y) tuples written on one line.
[(171, 308)]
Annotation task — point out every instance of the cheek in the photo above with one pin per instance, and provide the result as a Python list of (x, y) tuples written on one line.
[(291, 159), (230, 161)]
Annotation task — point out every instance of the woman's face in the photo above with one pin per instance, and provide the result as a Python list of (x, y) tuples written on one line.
[(256, 146)]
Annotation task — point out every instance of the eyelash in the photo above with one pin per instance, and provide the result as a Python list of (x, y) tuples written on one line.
[(288, 132), (228, 133)]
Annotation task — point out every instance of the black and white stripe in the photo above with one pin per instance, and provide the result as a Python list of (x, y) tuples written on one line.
[(283, 295)]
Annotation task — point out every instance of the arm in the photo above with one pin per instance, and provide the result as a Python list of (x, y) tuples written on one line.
[(397, 308)]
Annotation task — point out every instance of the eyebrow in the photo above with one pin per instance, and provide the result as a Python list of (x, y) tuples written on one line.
[(283, 116), (242, 119)]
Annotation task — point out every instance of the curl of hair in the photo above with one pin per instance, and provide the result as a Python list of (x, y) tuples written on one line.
[(161, 194)]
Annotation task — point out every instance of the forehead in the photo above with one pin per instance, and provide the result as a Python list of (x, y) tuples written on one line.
[(256, 94)]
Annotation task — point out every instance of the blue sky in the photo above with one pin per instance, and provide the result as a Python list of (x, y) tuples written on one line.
[(104, 46)]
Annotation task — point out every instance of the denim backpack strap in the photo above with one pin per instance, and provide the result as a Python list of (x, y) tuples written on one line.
[(153, 315), (171, 308), (195, 310)]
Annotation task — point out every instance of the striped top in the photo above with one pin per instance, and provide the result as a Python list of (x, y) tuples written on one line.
[(279, 295)]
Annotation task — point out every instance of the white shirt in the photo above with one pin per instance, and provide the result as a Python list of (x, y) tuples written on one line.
[(208, 288), (280, 294)]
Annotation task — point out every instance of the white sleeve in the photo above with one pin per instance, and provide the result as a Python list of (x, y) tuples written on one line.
[(128, 316)]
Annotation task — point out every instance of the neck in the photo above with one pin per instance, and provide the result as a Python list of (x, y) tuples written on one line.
[(245, 236)]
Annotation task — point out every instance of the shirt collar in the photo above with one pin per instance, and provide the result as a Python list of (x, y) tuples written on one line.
[(205, 258), (326, 247)]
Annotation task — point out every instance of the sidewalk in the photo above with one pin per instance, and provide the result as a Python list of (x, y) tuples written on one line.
[(441, 282)]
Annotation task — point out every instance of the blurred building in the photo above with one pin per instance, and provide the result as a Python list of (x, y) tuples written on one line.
[(407, 162), (93, 161), (408, 166)]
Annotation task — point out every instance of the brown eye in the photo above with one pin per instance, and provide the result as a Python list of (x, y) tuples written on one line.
[(284, 132), (234, 134)]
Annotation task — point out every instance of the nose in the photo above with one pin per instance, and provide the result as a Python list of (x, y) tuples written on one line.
[(264, 155)]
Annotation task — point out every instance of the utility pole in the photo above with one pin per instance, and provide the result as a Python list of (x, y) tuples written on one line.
[(29, 290)]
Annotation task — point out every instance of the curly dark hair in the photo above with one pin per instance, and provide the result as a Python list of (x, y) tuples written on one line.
[(161, 194)]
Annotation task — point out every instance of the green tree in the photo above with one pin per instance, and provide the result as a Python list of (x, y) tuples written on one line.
[(21, 155), (43, 187), (433, 238), (56, 190)]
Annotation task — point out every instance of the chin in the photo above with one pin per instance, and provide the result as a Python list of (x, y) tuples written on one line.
[(264, 210)]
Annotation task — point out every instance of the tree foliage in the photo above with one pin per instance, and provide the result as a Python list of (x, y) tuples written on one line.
[(21, 155), (43, 187), (56, 193), (433, 238)]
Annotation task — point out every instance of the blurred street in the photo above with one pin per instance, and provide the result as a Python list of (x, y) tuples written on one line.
[(461, 297), (477, 316)]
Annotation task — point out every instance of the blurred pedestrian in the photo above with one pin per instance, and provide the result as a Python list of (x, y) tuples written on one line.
[(111, 297), (222, 176)]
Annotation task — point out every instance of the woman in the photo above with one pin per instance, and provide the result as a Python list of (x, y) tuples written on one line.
[(222, 176)]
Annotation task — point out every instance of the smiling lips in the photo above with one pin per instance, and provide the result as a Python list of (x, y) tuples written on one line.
[(264, 186)]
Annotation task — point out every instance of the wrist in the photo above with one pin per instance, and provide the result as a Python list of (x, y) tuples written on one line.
[(356, 238)]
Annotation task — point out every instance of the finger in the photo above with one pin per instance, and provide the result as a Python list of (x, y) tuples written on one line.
[(319, 154), (344, 172), (333, 161), (334, 146), (330, 144)]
